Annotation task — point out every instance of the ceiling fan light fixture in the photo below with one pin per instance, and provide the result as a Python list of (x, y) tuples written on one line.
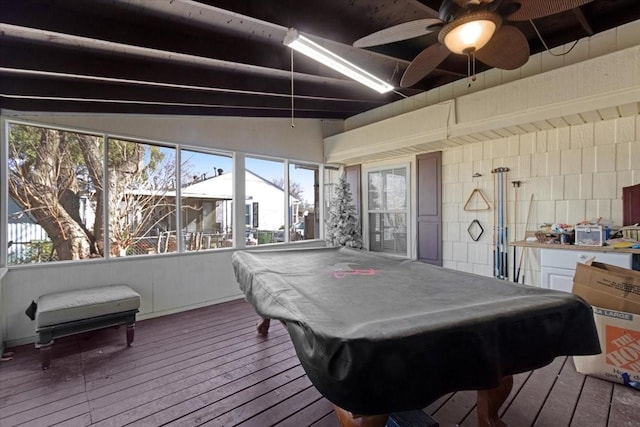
[(470, 32), (304, 45)]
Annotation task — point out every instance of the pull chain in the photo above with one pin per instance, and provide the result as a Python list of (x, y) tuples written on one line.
[(292, 97), (471, 68)]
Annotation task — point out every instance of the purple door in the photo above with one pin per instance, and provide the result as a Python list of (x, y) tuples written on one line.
[(631, 205), (429, 188)]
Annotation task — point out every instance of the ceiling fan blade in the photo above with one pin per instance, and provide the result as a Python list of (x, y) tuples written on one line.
[(404, 31), (423, 64), (508, 49), (533, 9)]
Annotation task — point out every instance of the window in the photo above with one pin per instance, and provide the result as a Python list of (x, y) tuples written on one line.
[(331, 177), (77, 195), (142, 198), (387, 191), (303, 201), (251, 215), (207, 195), (55, 181), (264, 189)]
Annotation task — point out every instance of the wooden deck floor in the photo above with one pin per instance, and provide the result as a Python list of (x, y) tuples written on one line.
[(208, 367)]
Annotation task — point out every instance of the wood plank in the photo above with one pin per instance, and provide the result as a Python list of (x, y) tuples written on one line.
[(313, 414), (411, 419), (44, 394), (69, 366), (436, 404), (284, 408), (149, 364), (83, 420), (528, 403), (592, 408), (60, 416), (137, 384), (41, 399), (227, 397), (625, 407), (26, 356), (103, 362), (187, 400), (457, 408), (248, 402), (207, 358), (53, 413), (181, 392), (471, 419), (330, 420), (562, 400), (180, 380)]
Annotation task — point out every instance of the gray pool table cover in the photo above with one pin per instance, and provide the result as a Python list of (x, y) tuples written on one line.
[(378, 334)]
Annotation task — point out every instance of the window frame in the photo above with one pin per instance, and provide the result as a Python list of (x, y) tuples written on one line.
[(6, 122), (366, 230)]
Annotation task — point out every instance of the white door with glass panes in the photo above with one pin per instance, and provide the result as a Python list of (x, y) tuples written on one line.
[(388, 209)]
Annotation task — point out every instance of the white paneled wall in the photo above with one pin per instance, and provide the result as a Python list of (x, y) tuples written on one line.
[(587, 48), (574, 173)]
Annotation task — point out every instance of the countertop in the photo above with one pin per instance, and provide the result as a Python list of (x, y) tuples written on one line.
[(574, 247)]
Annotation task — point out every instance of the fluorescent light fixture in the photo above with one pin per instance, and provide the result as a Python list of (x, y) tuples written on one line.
[(313, 50), (471, 32)]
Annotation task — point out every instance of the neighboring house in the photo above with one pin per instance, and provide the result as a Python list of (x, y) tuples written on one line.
[(207, 205)]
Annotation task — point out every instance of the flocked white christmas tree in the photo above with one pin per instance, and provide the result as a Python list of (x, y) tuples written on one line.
[(343, 228)]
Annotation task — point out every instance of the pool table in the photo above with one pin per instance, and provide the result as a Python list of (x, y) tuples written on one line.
[(378, 334)]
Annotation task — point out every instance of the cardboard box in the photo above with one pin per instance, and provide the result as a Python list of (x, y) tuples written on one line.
[(614, 293), (619, 335), (608, 286)]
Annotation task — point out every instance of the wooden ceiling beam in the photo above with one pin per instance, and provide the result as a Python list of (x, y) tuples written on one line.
[(38, 57), (584, 22)]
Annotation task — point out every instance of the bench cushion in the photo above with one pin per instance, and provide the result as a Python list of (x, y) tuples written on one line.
[(61, 307)]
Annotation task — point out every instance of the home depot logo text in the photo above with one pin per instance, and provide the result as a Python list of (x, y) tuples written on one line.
[(623, 348)]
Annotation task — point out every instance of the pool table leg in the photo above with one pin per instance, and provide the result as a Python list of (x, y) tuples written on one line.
[(347, 419), (489, 402), (263, 326)]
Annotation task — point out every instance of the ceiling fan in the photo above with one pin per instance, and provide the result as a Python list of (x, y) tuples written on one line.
[(477, 28)]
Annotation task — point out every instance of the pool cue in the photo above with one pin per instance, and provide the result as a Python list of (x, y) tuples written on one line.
[(500, 225), (516, 185), (500, 219), (524, 248), (501, 261), (495, 225), (505, 229)]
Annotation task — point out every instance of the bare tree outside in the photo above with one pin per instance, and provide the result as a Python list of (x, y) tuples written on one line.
[(141, 197), (57, 179), (49, 176), (295, 189)]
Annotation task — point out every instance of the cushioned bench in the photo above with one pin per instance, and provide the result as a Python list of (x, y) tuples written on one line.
[(66, 313)]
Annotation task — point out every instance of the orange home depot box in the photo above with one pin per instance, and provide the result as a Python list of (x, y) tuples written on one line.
[(614, 293), (619, 334)]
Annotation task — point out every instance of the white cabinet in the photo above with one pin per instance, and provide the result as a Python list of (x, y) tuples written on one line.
[(559, 265)]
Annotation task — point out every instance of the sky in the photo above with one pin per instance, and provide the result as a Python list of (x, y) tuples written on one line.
[(201, 163)]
